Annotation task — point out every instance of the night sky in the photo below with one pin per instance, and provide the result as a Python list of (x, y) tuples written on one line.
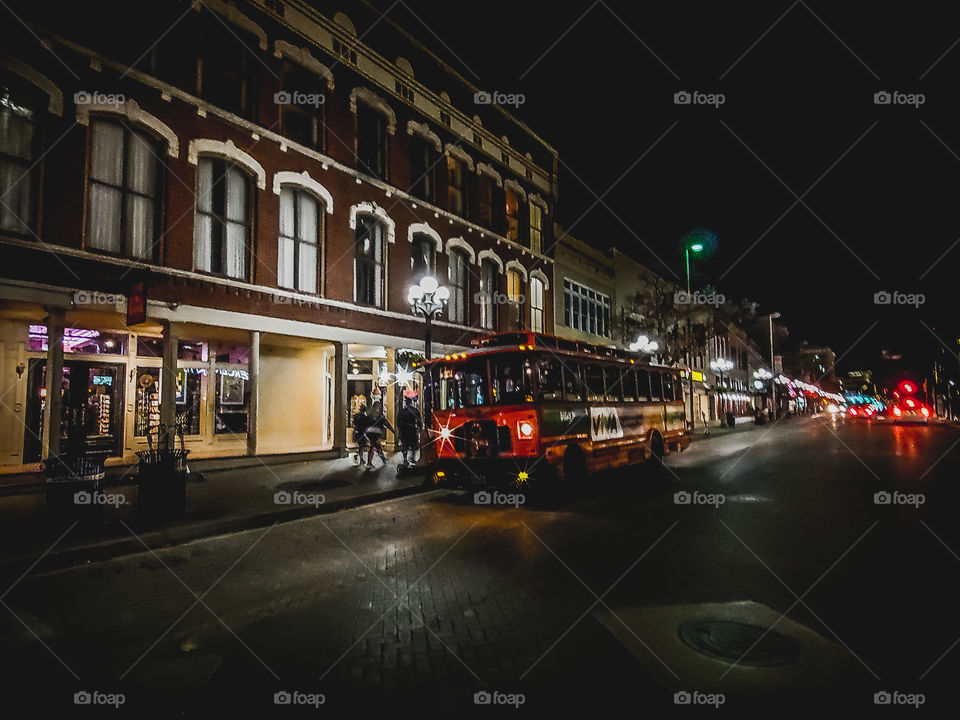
[(799, 112)]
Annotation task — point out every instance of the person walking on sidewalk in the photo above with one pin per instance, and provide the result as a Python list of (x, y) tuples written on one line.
[(378, 428), (408, 422)]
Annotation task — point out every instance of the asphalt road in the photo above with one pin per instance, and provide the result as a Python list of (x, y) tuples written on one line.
[(415, 605)]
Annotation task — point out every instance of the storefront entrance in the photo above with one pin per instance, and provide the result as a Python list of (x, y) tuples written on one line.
[(91, 421)]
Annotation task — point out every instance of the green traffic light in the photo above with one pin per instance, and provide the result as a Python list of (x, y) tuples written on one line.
[(697, 247)]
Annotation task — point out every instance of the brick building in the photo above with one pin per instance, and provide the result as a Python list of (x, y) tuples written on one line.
[(275, 174)]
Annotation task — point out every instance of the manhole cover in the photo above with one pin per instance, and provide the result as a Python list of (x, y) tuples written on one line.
[(739, 642)]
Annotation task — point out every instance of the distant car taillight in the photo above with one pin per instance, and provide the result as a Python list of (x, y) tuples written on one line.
[(897, 411), (925, 412)]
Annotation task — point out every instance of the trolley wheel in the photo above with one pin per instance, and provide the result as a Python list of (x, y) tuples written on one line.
[(657, 447), (574, 466)]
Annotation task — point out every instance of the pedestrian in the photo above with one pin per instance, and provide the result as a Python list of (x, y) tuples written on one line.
[(361, 421), (408, 423), (378, 428)]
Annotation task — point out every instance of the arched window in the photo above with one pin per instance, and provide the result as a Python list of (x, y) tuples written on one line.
[(222, 230), (369, 261), (489, 293), (301, 240), (515, 298), (123, 210), (536, 304), (21, 108), (422, 249), (458, 276)]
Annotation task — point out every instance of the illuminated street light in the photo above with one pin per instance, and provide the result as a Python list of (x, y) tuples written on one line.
[(644, 344)]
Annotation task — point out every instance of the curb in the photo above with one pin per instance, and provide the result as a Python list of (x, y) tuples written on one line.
[(172, 537)]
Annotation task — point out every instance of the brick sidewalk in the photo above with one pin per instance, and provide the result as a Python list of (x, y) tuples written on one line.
[(218, 501)]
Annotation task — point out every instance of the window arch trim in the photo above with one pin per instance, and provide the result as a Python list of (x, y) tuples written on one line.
[(302, 57), (130, 110), (424, 229), (303, 180), (369, 208), (459, 242), (492, 256), (38, 80), (520, 269), (541, 276), (226, 150), (375, 102)]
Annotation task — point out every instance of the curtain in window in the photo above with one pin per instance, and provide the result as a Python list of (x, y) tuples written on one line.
[(287, 241), (106, 192), (307, 232), (536, 305), (141, 200), (17, 177), (457, 276), (236, 224)]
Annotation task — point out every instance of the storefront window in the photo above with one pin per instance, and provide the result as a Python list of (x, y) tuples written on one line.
[(188, 399), (147, 417), (192, 351), (80, 340), (149, 346), (232, 400)]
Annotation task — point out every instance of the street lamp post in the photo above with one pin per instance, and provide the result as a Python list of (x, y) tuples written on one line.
[(427, 298), (687, 247), (773, 368)]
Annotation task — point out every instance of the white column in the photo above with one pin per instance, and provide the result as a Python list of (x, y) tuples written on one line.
[(55, 322), (254, 403)]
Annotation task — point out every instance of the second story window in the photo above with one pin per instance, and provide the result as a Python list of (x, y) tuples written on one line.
[(515, 298), (513, 215), (423, 169), (421, 256), (222, 230), (536, 227), (585, 309), (301, 230), (369, 261), (456, 186), (488, 295), (123, 198), (19, 168), (371, 142), (536, 304), (458, 275)]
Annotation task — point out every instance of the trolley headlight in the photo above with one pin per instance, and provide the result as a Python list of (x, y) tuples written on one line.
[(445, 433), (525, 430)]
